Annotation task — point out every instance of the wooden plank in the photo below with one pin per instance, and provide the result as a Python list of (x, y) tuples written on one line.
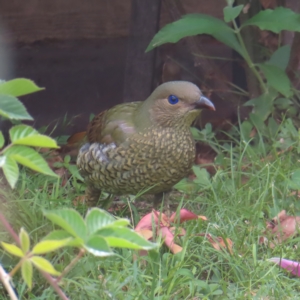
[(139, 68)]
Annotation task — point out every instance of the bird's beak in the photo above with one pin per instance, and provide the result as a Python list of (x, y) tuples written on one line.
[(203, 102)]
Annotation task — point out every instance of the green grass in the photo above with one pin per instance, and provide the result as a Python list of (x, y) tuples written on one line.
[(236, 200)]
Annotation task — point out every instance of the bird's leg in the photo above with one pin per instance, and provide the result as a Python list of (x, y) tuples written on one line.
[(158, 198), (92, 196)]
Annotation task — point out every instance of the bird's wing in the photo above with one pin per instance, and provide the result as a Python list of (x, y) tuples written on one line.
[(113, 125)]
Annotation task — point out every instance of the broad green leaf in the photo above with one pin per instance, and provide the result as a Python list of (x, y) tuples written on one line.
[(44, 265), (70, 220), (125, 238), (283, 103), (2, 160), (27, 272), (12, 249), (186, 186), (98, 246), (275, 20), (11, 171), (12, 108), (296, 177), (246, 128), (257, 122), (276, 78), (49, 246), (74, 172), (24, 240), (281, 57), (202, 176), (97, 218), (194, 24), (273, 127), (29, 158), (61, 235), (263, 105), (2, 141), (26, 135), (230, 13), (19, 87)]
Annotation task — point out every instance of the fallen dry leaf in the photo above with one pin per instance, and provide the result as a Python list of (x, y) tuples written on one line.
[(163, 227), (219, 244), (281, 228)]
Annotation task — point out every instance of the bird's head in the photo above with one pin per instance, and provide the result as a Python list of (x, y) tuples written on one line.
[(176, 103)]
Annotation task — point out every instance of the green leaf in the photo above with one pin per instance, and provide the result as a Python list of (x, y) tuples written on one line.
[(273, 127), (276, 78), (246, 128), (12, 108), (12, 249), (61, 235), (2, 160), (44, 265), (27, 272), (125, 238), (283, 103), (49, 246), (19, 87), (11, 171), (257, 122), (230, 13), (26, 135), (263, 105), (70, 220), (2, 141), (24, 240), (97, 218), (29, 158), (194, 24), (276, 20), (186, 186), (98, 246), (202, 176), (281, 57)]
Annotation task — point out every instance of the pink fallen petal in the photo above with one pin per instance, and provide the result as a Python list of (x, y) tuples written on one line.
[(168, 237), (184, 215), (146, 221), (180, 231), (290, 265), (145, 233)]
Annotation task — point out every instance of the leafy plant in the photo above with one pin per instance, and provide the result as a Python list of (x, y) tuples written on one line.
[(276, 89), (96, 234), (22, 137)]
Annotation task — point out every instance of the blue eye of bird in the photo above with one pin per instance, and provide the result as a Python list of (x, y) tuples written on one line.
[(173, 99)]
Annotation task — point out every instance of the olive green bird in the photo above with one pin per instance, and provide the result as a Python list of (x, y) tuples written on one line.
[(142, 146)]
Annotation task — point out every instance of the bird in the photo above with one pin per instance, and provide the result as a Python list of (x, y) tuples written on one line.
[(144, 146)]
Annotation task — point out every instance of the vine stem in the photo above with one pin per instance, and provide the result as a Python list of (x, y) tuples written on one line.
[(247, 57), (71, 265)]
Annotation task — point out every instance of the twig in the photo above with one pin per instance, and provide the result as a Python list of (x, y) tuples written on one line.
[(55, 286), (71, 265), (5, 278), (9, 228)]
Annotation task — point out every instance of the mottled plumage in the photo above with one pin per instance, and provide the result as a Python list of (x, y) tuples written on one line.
[(142, 146)]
